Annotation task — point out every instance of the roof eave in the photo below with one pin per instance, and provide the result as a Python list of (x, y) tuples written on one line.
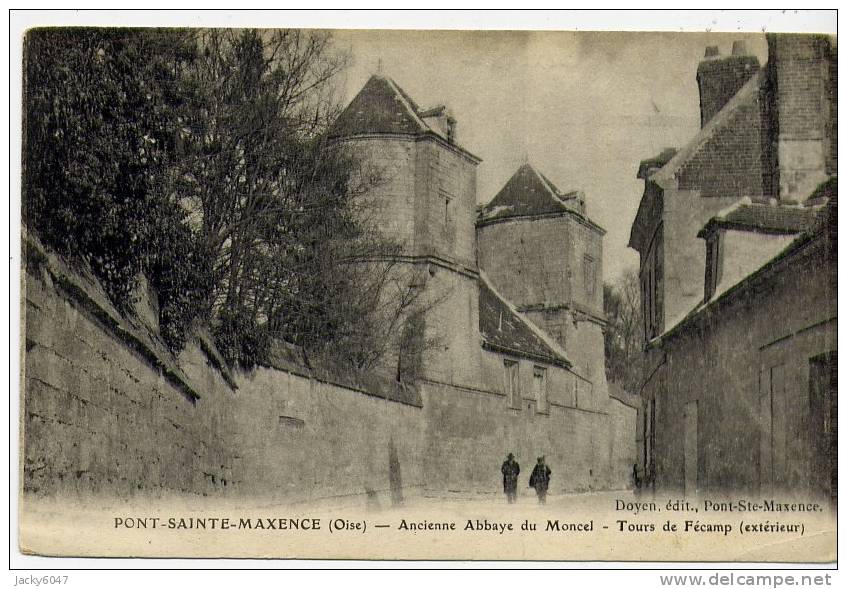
[(554, 361), (416, 136), (483, 222), (795, 248)]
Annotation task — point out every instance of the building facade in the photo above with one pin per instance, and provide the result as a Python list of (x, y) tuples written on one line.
[(540, 249), (518, 311), (731, 232)]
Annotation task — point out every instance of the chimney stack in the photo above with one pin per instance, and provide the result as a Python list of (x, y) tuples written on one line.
[(739, 48), (719, 78), (802, 76)]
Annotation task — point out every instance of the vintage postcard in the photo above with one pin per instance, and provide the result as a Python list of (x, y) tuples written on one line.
[(428, 294)]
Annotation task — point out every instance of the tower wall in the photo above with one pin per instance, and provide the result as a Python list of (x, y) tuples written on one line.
[(551, 268), (528, 260), (425, 201)]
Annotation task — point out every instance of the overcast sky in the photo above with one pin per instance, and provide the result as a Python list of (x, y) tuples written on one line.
[(583, 108)]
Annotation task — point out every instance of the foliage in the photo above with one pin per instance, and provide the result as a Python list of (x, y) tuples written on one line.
[(624, 331), (201, 160), (240, 340), (99, 132), (283, 214)]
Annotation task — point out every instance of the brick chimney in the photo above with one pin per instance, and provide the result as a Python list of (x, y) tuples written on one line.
[(802, 82), (719, 78)]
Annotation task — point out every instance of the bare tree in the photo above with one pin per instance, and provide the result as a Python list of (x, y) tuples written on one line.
[(255, 170), (285, 215), (623, 341)]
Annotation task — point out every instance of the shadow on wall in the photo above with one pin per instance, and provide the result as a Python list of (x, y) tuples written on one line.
[(395, 478)]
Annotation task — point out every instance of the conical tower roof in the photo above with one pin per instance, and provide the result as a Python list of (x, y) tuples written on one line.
[(381, 106), (528, 192)]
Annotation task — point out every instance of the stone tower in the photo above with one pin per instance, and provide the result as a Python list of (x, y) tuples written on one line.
[(539, 248), (425, 201)]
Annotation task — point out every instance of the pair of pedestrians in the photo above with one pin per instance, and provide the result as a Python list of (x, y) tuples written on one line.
[(539, 479)]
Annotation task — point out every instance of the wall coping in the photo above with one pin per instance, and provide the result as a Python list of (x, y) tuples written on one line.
[(83, 290)]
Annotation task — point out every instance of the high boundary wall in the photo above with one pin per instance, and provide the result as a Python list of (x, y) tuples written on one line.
[(106, 410), (470, 432)]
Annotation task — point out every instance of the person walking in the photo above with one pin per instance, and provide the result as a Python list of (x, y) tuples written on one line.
[(510, 469), (540, 480)]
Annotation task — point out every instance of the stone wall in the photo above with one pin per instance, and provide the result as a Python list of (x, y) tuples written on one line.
[(540, 264), (425, 202), (726, 362), (684, 215), (540, 261), (107, 410), (445, 196), (301, 439), (472, 431), (392, 201), (527, 260), (452, 334)]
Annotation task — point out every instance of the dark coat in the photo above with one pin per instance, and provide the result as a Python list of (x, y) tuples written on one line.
[(510, 470), (540, 477)]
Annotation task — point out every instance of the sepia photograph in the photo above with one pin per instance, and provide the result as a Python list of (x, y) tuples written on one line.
[(451, 295)]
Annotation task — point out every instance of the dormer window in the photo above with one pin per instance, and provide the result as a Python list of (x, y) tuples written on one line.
[(713, 266), (439, 120)]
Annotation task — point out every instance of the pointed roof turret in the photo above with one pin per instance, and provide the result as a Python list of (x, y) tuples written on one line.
[(381, 106), (529, 192)]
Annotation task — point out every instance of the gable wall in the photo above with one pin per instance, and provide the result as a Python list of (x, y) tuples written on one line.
[(729, 164)]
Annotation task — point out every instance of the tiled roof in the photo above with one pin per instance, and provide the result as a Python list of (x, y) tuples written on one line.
[(504, 329), (818, 221), (381, 106), (764, 218), (528, 192)]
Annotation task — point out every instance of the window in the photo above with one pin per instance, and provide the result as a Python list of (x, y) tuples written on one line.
[(574, 391), (513, 389), (539, 384), (445, 181), (714, 266), (589, 275)]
